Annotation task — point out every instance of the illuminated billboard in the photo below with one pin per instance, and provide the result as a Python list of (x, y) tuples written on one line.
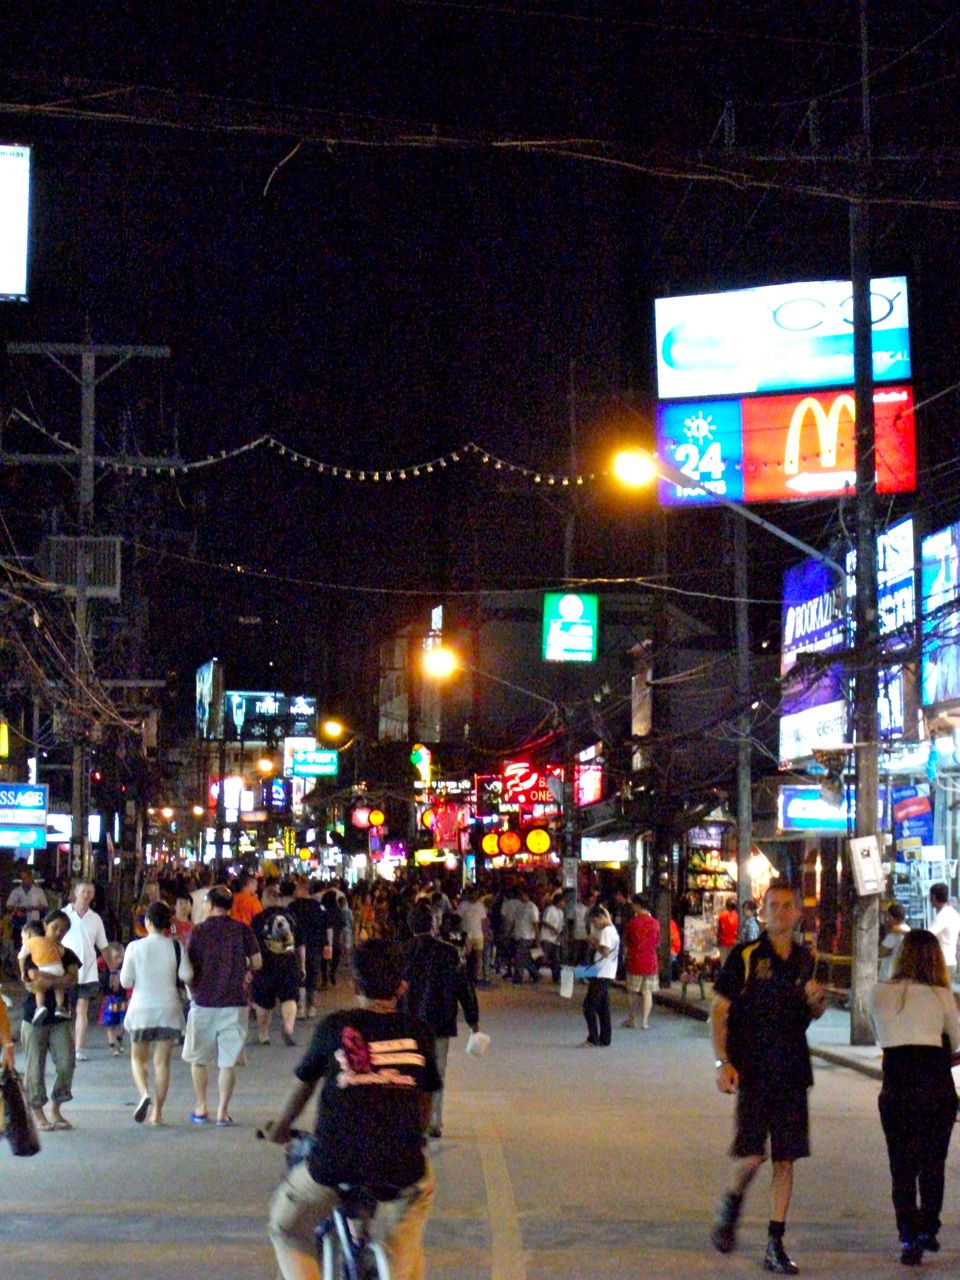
[(940, 612), (818, 618), (569, 626), (14, 222), (209, 686), (253, 717), (778, 337), (777, 448)]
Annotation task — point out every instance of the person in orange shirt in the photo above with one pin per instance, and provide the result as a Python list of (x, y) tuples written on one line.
[(246, 904), (728, 929)]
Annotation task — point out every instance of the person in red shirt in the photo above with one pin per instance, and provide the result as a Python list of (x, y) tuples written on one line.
[(246, 904), (641, 940), (728, 929)]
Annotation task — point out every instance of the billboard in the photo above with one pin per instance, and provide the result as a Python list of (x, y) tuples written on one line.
[(778, 337), (210, 700), (14, 222), (813, 710), (569, 626), (781, 448), (817, 617), (940, 613), (254, 717)]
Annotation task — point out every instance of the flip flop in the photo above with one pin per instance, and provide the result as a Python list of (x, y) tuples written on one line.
[(61, 1124), (195, 1119), (225, 1123), (143, 1106), (45, 1126)]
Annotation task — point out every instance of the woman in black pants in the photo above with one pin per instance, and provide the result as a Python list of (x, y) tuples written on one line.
[(596, 1003), (915, 1018)]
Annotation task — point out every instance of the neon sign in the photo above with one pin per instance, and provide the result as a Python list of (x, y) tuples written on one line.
[(780, 448)]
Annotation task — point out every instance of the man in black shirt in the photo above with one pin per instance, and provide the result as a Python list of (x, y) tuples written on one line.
[(764, 1000), (377, 1070), (312, 935)]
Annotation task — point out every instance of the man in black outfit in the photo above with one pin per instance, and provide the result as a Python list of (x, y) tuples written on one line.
[(437, 982), (764, 1000), (376, 1070), (310, 930)]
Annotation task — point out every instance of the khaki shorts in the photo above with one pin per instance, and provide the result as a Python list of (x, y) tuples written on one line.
[(642, 982), (216, 1033)]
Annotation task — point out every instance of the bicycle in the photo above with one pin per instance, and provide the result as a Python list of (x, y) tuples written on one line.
[(344, 1246)]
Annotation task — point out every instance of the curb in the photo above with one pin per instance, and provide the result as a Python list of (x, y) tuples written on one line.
[(691, 1009)]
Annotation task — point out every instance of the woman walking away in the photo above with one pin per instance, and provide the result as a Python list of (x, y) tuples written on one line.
[(155, 1013), (596, 1003), (915, 1018)]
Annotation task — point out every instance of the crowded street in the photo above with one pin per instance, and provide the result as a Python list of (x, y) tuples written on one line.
[(554, 1162)]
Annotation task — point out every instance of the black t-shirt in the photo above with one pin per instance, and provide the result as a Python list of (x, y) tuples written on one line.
[(69, 961), (309, 922), (374, 1067), (274, 930), (769, 1015)]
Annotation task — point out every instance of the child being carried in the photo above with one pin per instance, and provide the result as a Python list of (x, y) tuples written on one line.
[(45, 954)]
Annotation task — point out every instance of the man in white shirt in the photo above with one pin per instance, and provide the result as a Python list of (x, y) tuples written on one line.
[(945, 927), (198, 896), (526, 921), (85, 938), (551, 933), (28, 903), (472, 914)]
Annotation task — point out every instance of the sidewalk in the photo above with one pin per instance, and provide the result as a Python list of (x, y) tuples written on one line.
[(828, 1037)]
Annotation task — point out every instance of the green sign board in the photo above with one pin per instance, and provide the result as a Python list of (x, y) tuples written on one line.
[(315, 764), (570, 626)]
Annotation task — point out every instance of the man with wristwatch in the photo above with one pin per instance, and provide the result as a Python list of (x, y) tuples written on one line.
[(764, 1000)]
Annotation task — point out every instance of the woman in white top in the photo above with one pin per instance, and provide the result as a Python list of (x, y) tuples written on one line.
[(155, 1012), (915, 1018), (596, 1003)]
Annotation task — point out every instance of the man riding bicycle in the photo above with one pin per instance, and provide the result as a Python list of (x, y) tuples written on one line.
[(378, 1070)]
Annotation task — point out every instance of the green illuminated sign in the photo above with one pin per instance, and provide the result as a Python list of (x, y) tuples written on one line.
[(315, 764), (569, 627)]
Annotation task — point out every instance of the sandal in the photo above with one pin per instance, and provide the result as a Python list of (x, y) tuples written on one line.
[(225, 1123), (45, 1126), (198, 1119), (61, 1124)]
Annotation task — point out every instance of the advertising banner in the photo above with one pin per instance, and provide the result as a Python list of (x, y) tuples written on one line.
[(776, 338), (210, 700), (783, 448), (940, 613), (813, 707), (570, 626), (14, 221), (912, 811), (24, 803), (253, 717)]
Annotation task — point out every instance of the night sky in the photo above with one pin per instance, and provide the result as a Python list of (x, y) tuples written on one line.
[(383, 302)]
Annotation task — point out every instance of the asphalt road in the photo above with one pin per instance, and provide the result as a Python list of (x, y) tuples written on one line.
[(555, 1162)]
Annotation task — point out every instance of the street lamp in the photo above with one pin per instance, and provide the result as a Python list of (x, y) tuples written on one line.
[(440, 663)]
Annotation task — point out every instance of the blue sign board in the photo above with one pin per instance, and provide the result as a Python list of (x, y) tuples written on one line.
[(705, 442), (23, 803), (23, 837), (780, 337), (805, 809), (940, 613), (315, 764)]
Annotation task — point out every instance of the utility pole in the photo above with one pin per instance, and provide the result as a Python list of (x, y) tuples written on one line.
[(744, 753), (88, 380), (865, 647)]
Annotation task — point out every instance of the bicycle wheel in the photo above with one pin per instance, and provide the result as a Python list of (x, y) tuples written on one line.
[(374, 1264), (330, 1258)]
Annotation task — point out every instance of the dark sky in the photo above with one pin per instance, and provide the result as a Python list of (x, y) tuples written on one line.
[(383, 303)]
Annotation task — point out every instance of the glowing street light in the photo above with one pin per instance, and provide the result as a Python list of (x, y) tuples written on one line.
[(333, 728), (634, 468), (440, 662), (265, 765)]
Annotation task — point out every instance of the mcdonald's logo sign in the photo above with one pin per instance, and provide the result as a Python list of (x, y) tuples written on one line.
[(827, 423), (804, 446)]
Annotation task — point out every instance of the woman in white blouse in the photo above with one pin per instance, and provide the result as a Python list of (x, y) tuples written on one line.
[(915, 1018), (596, 1003), (155, 1012)]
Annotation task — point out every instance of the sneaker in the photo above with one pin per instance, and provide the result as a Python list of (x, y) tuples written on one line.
[(40, 1017), (80, 1056), (776, 1259), (288, 1039), (62, 1014), (928, 1242), (911, 1255), (724, 1233)]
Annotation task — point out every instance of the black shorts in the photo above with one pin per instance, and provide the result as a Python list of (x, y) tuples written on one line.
[(276, 982), (780, 1115)]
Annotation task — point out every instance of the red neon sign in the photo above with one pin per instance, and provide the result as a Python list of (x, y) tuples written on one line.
[(804, 446)]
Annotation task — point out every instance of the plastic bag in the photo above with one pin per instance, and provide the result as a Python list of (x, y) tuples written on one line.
[(18, 1122), (478, 1044), (566, 982)]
